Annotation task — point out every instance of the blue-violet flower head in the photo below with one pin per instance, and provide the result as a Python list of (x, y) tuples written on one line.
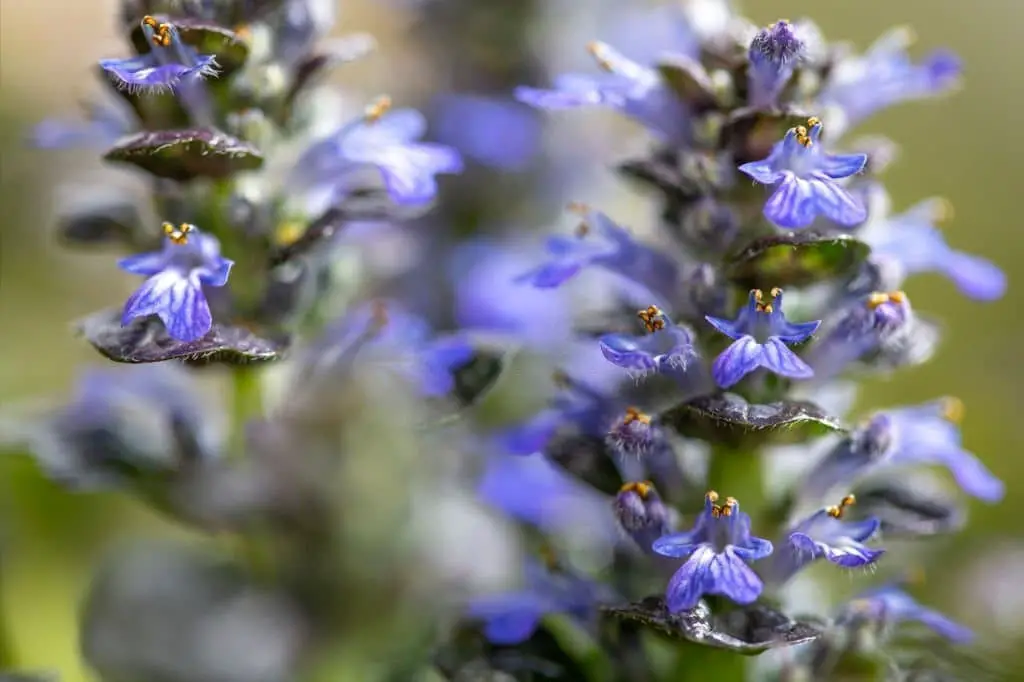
[(169, 62), (773, 53)]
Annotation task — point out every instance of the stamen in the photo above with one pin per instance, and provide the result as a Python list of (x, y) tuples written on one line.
[(876, 299), (813, 121), (837, 511), (652, 319), (178, 235), (759, 304), (953, 409), (711, 496), (598, 50), (897, 297), (162, 32), (377, 109), (641, 488), (801, 136), (776, 292), (635, 415), (720, 510), (287, 233)]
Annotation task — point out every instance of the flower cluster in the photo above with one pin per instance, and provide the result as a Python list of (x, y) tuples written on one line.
[(675, 384)]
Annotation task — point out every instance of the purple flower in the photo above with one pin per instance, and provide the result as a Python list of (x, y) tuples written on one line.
[(773, 53), (468, 122), (878, 322), (891, 605), (806, 177), (760, 333), (169, 62), (383, 139), (512, 617), (626, 86), (885, 75), (921, 434), (395, 339), (600, 242), (634, 434), (666, 348), (641, 514), (174, 290), (718, 546), (825, 535), (910, 243), (104, 124)]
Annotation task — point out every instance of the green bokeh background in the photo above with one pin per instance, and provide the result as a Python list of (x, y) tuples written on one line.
[(967, 148)]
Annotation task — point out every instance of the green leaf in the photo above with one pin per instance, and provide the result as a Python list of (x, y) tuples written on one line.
[(796, 259), (186, 154)]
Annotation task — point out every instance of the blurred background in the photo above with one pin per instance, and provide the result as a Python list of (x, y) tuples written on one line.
[(966, 148)]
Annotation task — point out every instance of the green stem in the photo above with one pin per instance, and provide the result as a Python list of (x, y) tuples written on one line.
[(8, 659), (246, 404)]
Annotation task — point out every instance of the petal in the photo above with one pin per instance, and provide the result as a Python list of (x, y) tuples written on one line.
[(709, 573), (395, 128), (727, 327), (839, 166), (847, 554), (218, 277), (146, 264), (687, 585), (943, 626), (757, 548), (861, 530), (976, 277), (511, 628), (624, 351), (738, 360), (551, 275), (679, 545), (776, 357), (792, 205), (409, 171), (557, 99), (762, 171), (973, 476), (178, 301), (533, 435), (59, 134), (793, 332), (836, 204)]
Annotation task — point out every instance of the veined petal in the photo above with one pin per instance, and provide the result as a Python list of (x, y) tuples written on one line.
[(839, 166), (847, 554), (727, 327), (678, 545), (409, 171), (835, 203), (792, 205), (777, 358), (709, 573), (625, 351), (793, 332), (755, 549), (741, 358), (557, 99), (179, 302), (145, 73), (762, 171), (145, 264)]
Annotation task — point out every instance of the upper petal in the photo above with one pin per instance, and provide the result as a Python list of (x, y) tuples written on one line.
[(838, 166), (762, 171)]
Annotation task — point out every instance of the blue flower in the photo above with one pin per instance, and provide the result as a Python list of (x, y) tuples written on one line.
[(384, 139), (825, 535), (884, 75), (666, 348), (773, 54), (395, 339), (921, 434), (600, 242), (468, 122), (169, 62), (891, 605), (634, 434), (806, 177), (910, 243), (641, 514), (718, 546), (176, 275), (626, 86), (876, 322), (512, 617), (104, 124), (760, 333)]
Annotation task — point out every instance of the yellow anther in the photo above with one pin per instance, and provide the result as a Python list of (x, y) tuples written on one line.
[(161, 32), (813, 121), (178, 235), (801, 136), (635, 415), (720, 510), (377, 109), (759, 303), (243, 33), (711, 496), (767, 308), (876, 299), (757, 294), (838, 510), (776, 292), (641, 488), (651, 317), (288, 233), (953, 409), (897, 297), (942, 210), (598, 51)]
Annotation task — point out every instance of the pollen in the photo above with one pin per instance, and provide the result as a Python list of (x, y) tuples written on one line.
[(838, 510), (719, 510), (943, 210), (802, 136), (161, 32), (813, 121), (178, 235), (641, 488), (953, 409), (376, 110), (635, 415), (652, 319), (711, 496), (599, 52), (759, 304), (287, 233), (879, 298)]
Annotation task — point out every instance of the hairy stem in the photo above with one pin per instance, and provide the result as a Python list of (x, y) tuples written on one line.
[(246, 404)]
